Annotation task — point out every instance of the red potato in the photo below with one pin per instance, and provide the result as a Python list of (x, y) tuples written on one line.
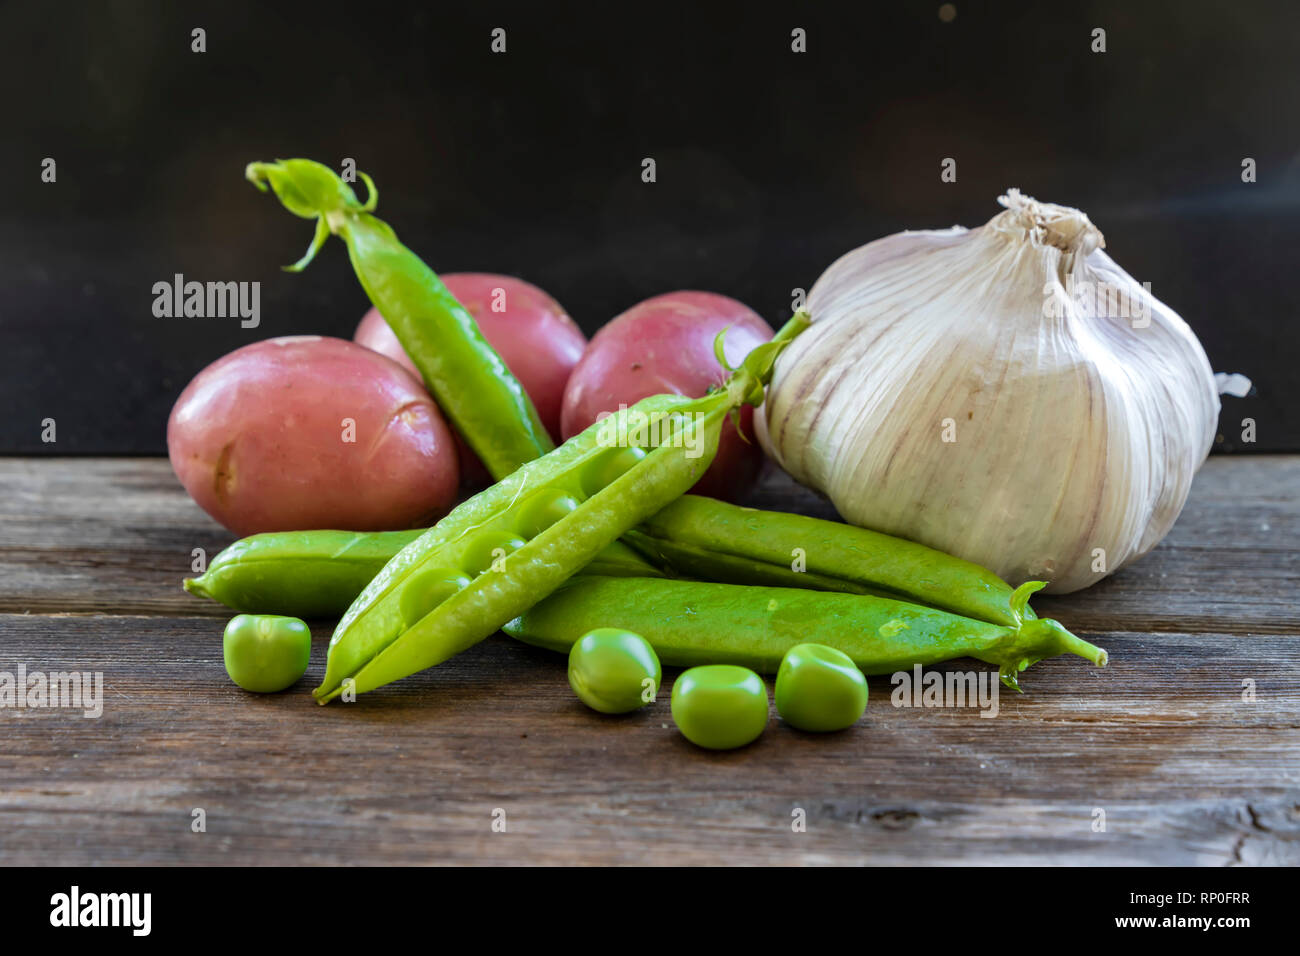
[(531, 332), (306, 432), (665, 345)]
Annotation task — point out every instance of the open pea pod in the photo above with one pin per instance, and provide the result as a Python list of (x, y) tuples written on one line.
[(494, 532), (508, 547)]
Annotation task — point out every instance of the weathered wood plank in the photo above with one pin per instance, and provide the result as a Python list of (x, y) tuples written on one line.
[(117, 534), (1161, 741)]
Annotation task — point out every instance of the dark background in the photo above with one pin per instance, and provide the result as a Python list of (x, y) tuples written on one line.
[(770, 165)]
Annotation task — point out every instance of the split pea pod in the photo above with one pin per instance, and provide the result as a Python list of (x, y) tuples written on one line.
[(320, 573), (466, 376), (689, 623), (715, 541), (508, 547)]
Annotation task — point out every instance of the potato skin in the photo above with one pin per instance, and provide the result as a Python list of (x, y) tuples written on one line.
[(258, 440), (665, 345), (533, 335)]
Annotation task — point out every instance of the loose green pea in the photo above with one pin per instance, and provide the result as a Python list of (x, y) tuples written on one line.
[(265, 652), (720, 706), (820, 688), (614, 671)]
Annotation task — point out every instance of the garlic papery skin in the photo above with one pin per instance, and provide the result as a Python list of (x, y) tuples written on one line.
[(1007, 394)]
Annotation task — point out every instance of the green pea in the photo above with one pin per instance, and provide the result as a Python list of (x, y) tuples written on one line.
[(820, 688), (489, 552), (427, 590), (543, 510), (265, 652), (720, 706), (614, 671), (608, 468)]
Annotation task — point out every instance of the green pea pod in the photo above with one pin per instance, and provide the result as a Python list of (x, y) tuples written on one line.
[(692, 622), (688, 561), (715, 541), (466, 376), (315, 574), (619, 560), (508, 547)]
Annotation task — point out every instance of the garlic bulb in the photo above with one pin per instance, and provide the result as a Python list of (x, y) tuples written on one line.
[(1007, 394)]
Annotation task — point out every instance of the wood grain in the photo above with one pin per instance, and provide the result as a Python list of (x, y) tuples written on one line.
[(92, 552)]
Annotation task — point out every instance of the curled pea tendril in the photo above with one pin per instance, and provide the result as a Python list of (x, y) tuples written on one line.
[(745, 384), (311, 190)]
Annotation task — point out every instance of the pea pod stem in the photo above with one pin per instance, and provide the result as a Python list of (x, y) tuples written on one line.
[(691, 622)]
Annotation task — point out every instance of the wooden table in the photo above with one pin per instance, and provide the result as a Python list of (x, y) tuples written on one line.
[(92, 552)]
